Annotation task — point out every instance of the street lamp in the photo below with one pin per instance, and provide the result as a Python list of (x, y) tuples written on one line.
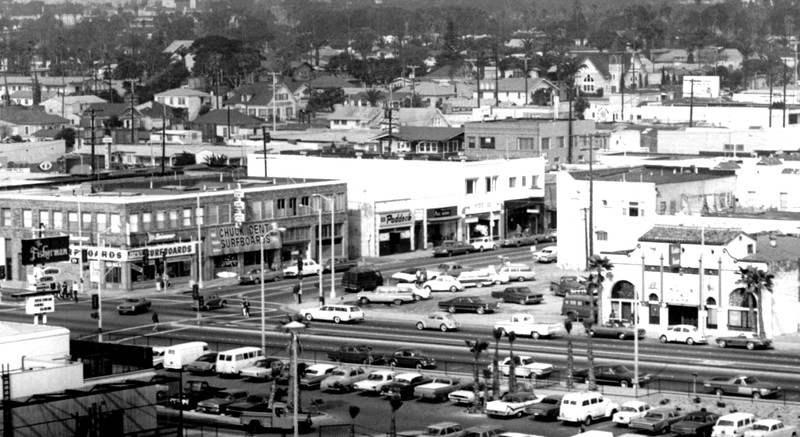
[(294, 328), (102, 272), (263, 300), (333, 246)]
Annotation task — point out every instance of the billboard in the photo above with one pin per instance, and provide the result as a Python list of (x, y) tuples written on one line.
[(701, 86), (45, 250)]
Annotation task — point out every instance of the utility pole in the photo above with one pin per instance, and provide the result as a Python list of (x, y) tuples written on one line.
[(691, 102), (591, 195), (525, 70), (496, 75), (133, 97), (94, 159), (164, 141), (274, 109), (784, 95), (388, 113), (264, 138), (770, 97), (413, 81)]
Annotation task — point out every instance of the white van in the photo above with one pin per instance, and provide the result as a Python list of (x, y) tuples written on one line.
[(517, 272), (586, 407), (178, 356), (232, 362), (733, 425)]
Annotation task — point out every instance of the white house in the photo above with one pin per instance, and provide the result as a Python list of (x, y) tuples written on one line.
[(188, 99), (70, 107)]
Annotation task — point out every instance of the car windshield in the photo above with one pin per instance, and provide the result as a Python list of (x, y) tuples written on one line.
[(208, 359), (551, 401), (654, 415), (254, 272), (695, 419), (759, 427), (620, 369), (629, 409), (313, 372), (375, 377), (131, 300), (432, 431), (339, 373), (255, 399)]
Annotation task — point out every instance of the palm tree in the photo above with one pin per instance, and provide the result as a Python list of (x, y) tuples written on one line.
[(567, 70), (374, 95), (497, 334), (601, 267), (755, 281), (512, 365), (570, 356), (590, 379), (476, 347)]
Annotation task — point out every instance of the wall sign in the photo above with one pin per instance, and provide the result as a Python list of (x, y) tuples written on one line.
[(116, 254), (449, 211), (396, 219), (45, 250), (233, 239), (40, 304), (158, 236), (238, 207), (674, 255)]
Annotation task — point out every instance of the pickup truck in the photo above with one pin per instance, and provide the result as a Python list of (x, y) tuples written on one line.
[(523, 325), (193, 392), (741, 385), (439, 388), (521, 295), (269, 417), (568, 284)]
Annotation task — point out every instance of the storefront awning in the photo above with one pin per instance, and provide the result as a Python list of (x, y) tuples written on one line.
[(444, 219)]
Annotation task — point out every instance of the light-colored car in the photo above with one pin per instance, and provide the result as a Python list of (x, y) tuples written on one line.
[(387, 294), (254, 276), (525, 366), (314, 375), (419, 292), (206, 363), (512, 404), (158, 356), (343, 379), (771, 428), (265, 368), (517, 272), (546, 255), (334, 313), (134, 305), (375, 381), (310, 268), (410, 274), (444, 429), (480, 278), (444, 283), (484, 243), (630, 410), (439, 320), (733, 424), (484, 431), (683, 334)]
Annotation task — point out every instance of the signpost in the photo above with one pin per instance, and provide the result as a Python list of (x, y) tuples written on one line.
[(36, 305)]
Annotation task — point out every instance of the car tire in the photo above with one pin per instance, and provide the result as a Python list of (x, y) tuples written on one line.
[(719, 391), (309, 317), (451, 309), (363, 301), (535, 335), (624, 384), (428, 287), (518, 415), (418, 365), (453, 289), (756, 395), (480, 249), (587, 420), (518, 244), (337, 320), (591, 333), (662, 339), (722, 344), (397, 302), (750, 345), (621, 336), (480, 310), (392, 363), (416, 298), (449, 253), (420, 326), (443, 327), (479, 285), (690, 341)]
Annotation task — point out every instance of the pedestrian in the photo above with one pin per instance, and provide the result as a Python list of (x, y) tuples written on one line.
[(64, 290), (245, 308), (298, 291), (155, 321)]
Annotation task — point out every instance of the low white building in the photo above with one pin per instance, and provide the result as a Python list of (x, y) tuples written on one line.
[(188, 99)]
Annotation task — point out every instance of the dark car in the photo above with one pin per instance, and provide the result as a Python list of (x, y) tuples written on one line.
[(209, 303), (657, 421), (618, 328), (451, 247), (254, 276), (134, 306), (521, 295), (697, 423), (248, 404), (466, 303), (407, 357), (206, 363), (749, 340), (340, 264), (360, 354), (219, 403), (362, 278), (615, 374), (403, 385), (547, 409)]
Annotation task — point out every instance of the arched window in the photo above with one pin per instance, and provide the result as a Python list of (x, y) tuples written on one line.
[(588, 84), (623, 290), (652, 297), (741, 298), (711, 302)]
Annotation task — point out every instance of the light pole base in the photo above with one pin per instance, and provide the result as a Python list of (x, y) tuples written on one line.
[(321, 300)]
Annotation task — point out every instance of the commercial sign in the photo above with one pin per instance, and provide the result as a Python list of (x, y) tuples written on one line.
[(45, 250), (116, 254), (158, 236), (396, 219), (233, 239), (674, 255), (40, 304), (701, 86), (238, 207), (450, 211)]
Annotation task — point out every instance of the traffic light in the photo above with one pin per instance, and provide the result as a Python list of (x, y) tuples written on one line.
[(300, 265), (196, 292), (95, 302), (146, 257), (94, 315), (201, 301)]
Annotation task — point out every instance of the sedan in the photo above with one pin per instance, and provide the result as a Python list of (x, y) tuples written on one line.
[(209, 303), (254, 276), (683, 334), (340, 264), (697, 423), (657, 421), (343, 379), (334, 313), (630, 410), (134, 306), (407, 357), (466, 303), (314, 375), (264, 368), (248, 404), (616, 374), (438, 320), (547, 409), (375, 381), (219, 403), (444, 283), (750, 340), (410, 274), (512, 404), (450, 248), (546, 255), (206, 363)]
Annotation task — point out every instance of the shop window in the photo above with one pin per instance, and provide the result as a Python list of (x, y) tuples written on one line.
[(512, 182), (526, 143), (224, 213), (545, 143), (187, 217), (7, 218), (711, 309), (44, 219), (27, 218), (472, 185), (161, 217), (487, 142), (740, 320), (173, 219), (602, 236), (133, 222), (471, 142), (72, 221)]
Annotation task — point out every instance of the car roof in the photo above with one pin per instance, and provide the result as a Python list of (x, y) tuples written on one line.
[(407, 375), (443, 424), (768, 421), (440, 313), (634, 403), (737, 415), (382, 372), (321, 366)]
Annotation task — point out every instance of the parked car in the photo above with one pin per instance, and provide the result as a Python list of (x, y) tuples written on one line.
[(334, 313), (518, 294), (134, 305), (552, 235), (403, 385), (466, 396), (444, 429), (158, 356), (359, 354), (484, 431), (439, 388), (210, 302), (206, 363), (438, 320), (697, 423), (451, 268), (375, 381), (219, 403), (310, 268), (362, 278), (657, 421), (480, 278), (265, 368), (733, 424), (469, 304), (520, 239), (387, 294), (248, 404), (340, 264), (615, 374), (741, 385), (771, 428), (586, 407), (484, 243), (524, 366), (546, 255), (630, 410), (343, 379), (451, 247), (683, 334), (547, 409), (410, 274), (621, 329), (253, 276), (408, 357), (444, 283), (517, 272), (749, 340), (314, 375), (512, 404)]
